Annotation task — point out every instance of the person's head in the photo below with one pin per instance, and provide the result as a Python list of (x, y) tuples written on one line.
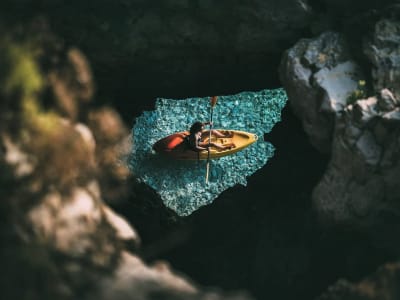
[(196, 127)]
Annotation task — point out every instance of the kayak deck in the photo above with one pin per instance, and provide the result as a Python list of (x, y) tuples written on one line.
[(174, 145)]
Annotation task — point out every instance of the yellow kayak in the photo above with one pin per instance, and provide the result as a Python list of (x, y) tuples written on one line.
[(176, 147)]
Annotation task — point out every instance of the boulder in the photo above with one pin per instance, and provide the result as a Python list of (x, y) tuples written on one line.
[(134, 277), (383, 51), (319, 75), (358, 188)]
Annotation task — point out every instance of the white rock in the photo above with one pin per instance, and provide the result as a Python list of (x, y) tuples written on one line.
[(337, 83), (123, 229)]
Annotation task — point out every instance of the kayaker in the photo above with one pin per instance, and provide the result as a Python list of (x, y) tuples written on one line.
[(195, 134)]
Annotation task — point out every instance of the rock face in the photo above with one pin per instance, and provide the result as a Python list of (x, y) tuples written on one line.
[(384, 284), (190, 44), (359, 188), (383, 50), (319, 75), (342, 7)]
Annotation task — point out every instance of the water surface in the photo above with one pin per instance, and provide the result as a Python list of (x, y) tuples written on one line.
[(181, 184)]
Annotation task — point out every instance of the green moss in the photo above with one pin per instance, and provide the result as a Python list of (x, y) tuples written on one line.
[(357, 94), (21, 74), (20, 84), (34, 117)]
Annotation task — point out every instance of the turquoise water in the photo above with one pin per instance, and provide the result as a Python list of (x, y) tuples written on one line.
[(181, 184)]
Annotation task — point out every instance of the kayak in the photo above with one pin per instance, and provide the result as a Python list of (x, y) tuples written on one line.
[(175, 146)]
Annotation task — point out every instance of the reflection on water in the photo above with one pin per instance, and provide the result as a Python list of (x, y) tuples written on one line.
[(181, 184)]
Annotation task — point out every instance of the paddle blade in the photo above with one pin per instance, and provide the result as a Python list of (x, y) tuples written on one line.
[(213, 100), (207, 170)]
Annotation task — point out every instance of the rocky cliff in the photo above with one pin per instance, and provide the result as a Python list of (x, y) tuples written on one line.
[(356, 120)]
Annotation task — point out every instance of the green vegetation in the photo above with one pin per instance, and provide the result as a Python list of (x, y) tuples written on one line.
[(53, 143), (22, 75), (20, 84), (359, 93)]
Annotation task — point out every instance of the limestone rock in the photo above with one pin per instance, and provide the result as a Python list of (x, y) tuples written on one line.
[(124, 231), (387, 100), (134, 280), (358, 188), (318, 75), (337, 83), (383, 50)]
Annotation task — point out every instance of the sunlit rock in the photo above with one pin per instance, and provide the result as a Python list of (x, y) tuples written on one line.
[(133, 276), (319, 75), (133, 279), (20, 163), (181, 184), (123, 230)]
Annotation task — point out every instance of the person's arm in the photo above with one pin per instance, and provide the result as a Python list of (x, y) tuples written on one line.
[(201, 146), (216, 145)]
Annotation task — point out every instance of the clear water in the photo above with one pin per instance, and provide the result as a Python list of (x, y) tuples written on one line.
[(181, 184)]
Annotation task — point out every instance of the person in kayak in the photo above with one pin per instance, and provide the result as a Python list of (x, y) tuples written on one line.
[(195, 135)]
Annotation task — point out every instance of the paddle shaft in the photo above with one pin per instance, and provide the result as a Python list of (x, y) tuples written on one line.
[(213, 102)]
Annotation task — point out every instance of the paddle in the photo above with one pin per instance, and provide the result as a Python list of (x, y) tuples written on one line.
[(213, 101)]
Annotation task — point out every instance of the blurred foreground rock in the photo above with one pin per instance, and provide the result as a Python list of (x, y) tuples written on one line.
[(384, 284), (59, 156)]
